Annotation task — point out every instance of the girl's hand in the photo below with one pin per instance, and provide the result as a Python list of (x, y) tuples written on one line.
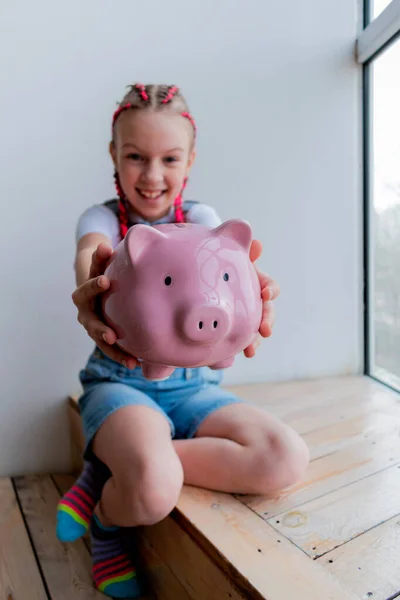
[(85, 298), (269, 291)]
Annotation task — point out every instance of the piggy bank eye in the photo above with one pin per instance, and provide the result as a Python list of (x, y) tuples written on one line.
[(168, 280), (226, 277)]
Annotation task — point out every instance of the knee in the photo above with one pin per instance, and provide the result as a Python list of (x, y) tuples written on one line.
[(158, 495), (281, 459), (154, 493)]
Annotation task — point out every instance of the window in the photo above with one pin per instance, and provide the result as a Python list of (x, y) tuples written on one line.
[(379, 51), (378, 6)]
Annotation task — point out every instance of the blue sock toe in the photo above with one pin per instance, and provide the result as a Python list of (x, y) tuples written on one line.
[(123, 589), (68, 529)]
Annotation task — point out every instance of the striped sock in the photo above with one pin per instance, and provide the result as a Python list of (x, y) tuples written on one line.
[(113, 572), (75, 509)]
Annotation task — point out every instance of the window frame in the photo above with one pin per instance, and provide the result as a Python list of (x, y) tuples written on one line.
[(379, 33), (376, 36)]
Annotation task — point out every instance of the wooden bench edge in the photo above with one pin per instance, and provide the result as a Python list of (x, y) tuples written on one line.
[(199, 514)]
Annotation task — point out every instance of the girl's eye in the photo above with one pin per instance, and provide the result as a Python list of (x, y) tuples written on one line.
[(226, 277), (168, 280), (170, 159), (134, 156)]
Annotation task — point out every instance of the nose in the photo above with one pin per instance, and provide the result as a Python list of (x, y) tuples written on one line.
[(153, 172), (206, 324)]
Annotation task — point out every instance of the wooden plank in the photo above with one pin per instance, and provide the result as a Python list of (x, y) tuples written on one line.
[(339, 435), (307, 393), (73, 401), (66, 567), (162, 581), (337, 400), (331, 472), (258, 560), (19, 573), (331, 520), (198, 574), (77, 438), (63, 482), (326, 393), (369, 565), (310, 419)]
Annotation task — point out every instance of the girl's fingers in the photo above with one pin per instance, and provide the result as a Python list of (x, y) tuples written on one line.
[(100, 258), (86, 293), (267, 320)]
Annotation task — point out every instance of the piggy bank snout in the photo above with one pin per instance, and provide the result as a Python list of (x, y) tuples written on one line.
[(205, 324)]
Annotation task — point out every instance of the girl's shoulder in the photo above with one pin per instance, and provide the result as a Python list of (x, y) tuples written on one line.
[(202, 214), (100, 218), (103, 218)]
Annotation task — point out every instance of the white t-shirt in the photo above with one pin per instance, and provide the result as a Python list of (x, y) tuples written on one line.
[(100, 218)]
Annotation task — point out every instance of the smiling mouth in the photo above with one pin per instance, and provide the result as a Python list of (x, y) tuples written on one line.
[(150, 195)]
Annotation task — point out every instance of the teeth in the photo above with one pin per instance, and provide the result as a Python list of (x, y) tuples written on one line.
[(150, 194)]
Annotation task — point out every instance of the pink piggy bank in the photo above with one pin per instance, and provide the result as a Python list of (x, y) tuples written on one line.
[(183, 295)]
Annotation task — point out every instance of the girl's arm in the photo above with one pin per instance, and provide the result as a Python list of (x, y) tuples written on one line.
[(269, 291), (86, 248), (92, 255)]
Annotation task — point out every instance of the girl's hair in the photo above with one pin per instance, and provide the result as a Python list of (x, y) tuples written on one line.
[(156, 97)]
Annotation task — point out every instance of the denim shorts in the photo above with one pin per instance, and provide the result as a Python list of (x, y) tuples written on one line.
[(185, 399)]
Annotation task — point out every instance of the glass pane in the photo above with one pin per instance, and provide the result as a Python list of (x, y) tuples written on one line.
[(384, 309), (378, 6)]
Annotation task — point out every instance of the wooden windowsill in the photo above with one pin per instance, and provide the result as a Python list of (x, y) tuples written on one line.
[(333, 536)]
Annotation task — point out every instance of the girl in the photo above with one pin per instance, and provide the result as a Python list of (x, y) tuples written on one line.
[(145, 439)]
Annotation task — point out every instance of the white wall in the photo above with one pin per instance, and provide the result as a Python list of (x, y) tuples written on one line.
[(276, 94)]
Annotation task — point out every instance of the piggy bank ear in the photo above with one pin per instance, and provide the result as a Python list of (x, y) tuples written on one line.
[(237, 230), (139, 239)]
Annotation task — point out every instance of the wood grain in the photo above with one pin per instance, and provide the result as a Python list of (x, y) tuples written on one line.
[(255, 556), (66, 567), (307, 392), (331, 520), (369, 565), (338, 435), (308, 420), (20, 577), (331, 472), (77, 438), (63, 482), (198, 574), (164, 584), (329, 393)]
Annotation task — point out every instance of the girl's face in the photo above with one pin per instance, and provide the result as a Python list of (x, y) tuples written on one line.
[(152, 153)]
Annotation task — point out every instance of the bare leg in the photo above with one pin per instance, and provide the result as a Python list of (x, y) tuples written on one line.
[(242, 449), (146, 479), (147, 476)]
